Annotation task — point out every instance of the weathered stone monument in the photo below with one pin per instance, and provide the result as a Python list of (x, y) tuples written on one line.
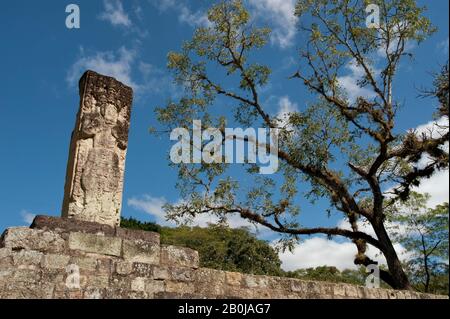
[(85, 254), (95, 169)]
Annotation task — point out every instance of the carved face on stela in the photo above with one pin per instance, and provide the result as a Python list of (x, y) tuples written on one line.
[(100, 118), (109, 113)]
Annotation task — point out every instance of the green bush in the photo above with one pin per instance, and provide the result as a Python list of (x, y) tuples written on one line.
[(219, 247)]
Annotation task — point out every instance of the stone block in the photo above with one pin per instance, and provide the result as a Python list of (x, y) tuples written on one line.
[(143, 270), (68, 294), (62, 224), (98, 244), (136, 234), (25, 276), (209, 275), (5, 252), (161, 273), (6, 275), (138, 284), (210, 289), (280, 283), (114, 293), (55, 261), (6, 263), (180, 287), (122, 283), (27, 259), (84, 263), (94, 293), (28, 291), (153, 287), (236, 292), (180, 273), (175, 295), (141, 251), (233, 278), (97, 281), (55, 276), (351, 291), (124, 267), (33, 239), (105, 265), (252, 281), (382, 293), (179, 256), (339, 290), (263, 294), (5, 258)]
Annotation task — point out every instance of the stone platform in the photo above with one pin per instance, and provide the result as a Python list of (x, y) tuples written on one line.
[(67, 258)]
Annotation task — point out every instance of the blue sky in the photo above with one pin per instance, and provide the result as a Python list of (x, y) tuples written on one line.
[(41, 62)]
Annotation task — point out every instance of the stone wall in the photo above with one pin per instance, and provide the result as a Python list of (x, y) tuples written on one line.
[(68, 258)]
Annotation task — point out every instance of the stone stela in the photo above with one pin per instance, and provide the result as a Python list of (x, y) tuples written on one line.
[(96, 164)]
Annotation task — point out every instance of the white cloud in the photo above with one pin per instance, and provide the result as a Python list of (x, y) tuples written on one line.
[(285, 108), (365, 227), (443, 46), (349, 83), (116, 64), (164, 5), (437, 185), (157, 81), (27, 217), (319, 251), (185, 14), (362, 226), (409, 46), (115, 14), (150, 205), (198, 18), (280, 14), (125, 66), (154, 207), (433, 128), (394, 42)]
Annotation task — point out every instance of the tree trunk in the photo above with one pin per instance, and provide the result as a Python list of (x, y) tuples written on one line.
[(425, 261), (398, 278)]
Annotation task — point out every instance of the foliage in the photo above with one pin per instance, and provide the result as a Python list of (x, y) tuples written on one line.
[(133, 223), (219, 247), (424, 233), (331, 274)]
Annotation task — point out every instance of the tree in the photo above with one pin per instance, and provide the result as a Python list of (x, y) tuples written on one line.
[(228, 249), (357, 136), (133, 223), (219, 247), (424, 234), (331, 274)]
